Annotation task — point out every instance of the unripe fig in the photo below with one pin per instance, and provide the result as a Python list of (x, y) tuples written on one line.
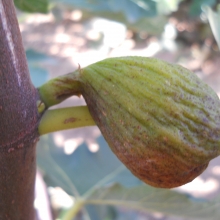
[(159, 119)]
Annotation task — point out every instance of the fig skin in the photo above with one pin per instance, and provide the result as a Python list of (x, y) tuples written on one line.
[(158, 118)]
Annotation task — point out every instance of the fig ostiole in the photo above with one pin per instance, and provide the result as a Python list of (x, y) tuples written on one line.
[(158, 118)]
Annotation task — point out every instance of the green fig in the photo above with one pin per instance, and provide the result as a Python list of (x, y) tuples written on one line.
[(159, 119)]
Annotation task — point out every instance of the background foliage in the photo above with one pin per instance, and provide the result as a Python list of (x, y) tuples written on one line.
[(98, 180)]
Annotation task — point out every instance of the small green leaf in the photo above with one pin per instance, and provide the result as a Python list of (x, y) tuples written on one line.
[(149, 199), (214, 21), (32, 5)]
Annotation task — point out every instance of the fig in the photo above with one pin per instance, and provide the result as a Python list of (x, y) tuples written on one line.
[(159, 119)]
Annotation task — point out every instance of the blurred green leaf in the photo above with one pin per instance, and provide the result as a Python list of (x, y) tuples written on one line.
[(38, 74), (196, 6), (82, 170), (214, 20), (32, 5), (167, 6), (149, 199), (89, 174), (132, 9), (36, 57), (154, 26), (137, 15), (102, 212)]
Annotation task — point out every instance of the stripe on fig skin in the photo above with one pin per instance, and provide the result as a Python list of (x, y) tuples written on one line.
[(160, 119)]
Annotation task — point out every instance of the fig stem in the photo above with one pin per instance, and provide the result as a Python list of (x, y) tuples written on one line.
[(65, 118), (60, 88)]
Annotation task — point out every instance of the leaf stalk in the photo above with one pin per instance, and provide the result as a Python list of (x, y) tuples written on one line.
[(65, 118)]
